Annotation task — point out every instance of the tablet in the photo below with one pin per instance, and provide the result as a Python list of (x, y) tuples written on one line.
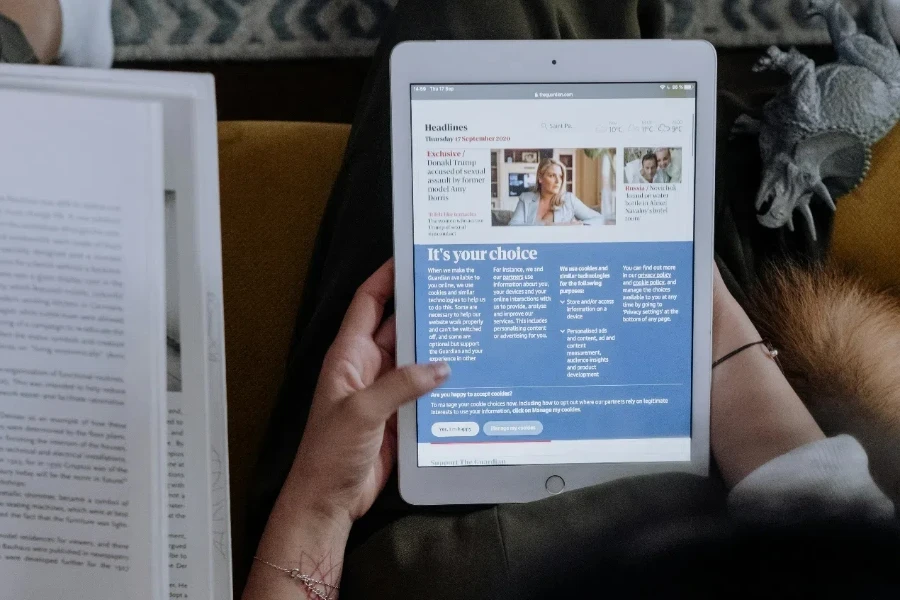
[(553, 227)]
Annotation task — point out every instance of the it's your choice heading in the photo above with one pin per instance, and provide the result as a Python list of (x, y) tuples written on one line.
[(498, 253)]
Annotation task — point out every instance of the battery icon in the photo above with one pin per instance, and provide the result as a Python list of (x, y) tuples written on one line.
[(688, 87)]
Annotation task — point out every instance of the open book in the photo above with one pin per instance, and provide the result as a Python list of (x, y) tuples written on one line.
[(113, 447)]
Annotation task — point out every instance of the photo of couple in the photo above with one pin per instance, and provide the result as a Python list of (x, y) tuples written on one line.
[(652, 165), (553, 186)]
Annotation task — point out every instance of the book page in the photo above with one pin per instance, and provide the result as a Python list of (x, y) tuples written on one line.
[(197, 492), (199, 526), (81, 367)]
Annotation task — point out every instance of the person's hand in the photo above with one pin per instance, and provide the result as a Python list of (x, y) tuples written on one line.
[(348, 449), (349, 446)]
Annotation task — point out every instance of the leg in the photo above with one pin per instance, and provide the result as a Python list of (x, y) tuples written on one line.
[(41, 23), (355, 237), (802, 71), (533, 550), (792, 62), (855, 47)]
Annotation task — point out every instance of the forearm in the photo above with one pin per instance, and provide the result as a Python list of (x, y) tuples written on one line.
[(756, 415), (299, 537)]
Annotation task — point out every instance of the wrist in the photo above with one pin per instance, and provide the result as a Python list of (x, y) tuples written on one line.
[(310, 508), (732, 327), (297, 538)]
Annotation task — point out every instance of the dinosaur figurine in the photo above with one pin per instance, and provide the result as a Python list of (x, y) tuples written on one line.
[(822, 125)]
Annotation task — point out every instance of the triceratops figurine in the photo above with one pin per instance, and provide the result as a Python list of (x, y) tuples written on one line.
[(822, 125)]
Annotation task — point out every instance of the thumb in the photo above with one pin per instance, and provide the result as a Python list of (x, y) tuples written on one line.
[(397, 387)]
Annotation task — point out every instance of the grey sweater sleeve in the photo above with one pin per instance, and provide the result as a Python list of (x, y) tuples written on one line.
[(824, 479)]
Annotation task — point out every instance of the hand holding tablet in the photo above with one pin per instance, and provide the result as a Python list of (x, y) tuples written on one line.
[(579, 354)]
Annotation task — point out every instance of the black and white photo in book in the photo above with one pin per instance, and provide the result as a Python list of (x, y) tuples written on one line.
[(173, 323)]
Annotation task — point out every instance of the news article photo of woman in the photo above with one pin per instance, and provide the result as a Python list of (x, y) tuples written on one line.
[(553, 186), (652, 165)]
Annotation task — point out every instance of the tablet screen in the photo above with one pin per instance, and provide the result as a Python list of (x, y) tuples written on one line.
[(553, 267)]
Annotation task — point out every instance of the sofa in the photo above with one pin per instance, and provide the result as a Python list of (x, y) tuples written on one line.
[(275, 179)]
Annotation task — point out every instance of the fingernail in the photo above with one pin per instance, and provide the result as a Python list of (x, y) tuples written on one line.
[(441, 370)]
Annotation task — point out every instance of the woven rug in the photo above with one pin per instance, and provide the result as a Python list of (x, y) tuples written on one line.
[(264, 29)]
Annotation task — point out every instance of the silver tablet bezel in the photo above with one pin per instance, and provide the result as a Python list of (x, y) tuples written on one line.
[(460, 62)]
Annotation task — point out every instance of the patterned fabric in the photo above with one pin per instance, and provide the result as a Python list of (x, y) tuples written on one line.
[(261, 29)]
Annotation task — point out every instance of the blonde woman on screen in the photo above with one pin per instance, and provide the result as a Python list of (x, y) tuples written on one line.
[(549, 203)]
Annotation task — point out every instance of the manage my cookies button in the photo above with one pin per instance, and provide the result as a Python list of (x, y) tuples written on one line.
[(513, 428), (455, 429)]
